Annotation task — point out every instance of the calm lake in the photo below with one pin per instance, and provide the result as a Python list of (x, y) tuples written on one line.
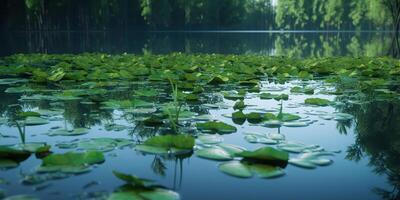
[(361, 165), (296, 44)]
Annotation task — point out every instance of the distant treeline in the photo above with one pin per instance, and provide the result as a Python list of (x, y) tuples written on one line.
[(195, 14)]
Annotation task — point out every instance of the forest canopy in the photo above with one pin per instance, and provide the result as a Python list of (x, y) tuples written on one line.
[(197, 14)]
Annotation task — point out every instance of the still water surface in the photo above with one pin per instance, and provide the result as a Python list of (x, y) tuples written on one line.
[(364, 167)]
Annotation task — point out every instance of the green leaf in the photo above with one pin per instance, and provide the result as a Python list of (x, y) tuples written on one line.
[(268, 154), (71, 162), (133, 180), (317, 102), (216, 127), (214, 153), (175, 144)]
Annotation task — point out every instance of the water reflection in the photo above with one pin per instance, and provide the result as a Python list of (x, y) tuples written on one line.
[(277, 44), (377, 130)]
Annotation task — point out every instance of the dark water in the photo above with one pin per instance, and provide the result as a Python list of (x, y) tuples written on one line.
[(297, 44)]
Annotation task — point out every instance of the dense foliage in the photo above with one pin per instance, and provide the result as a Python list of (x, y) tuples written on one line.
[(197, 14)]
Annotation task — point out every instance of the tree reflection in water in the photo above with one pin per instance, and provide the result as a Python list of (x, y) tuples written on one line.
[(377, 130)]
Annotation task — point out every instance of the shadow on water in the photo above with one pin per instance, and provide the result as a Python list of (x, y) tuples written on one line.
[(295, 44)]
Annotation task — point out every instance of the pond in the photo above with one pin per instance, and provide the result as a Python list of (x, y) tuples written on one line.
[(99, 126)]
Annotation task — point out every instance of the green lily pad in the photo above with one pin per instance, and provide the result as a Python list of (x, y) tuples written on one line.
[(239, 105), (56, 75), (258, 138), (304, 90), (216, 127), (297, 147), (10, 153), (33, 147), (236, 168), (247, 169), (267, 154), (210, 139), (218, 80), (231, 149), (255, 117), (64, 132), (238, 117), (166, 144), (214, 153), (287, 117), (295, 124), (317, 102), (102, 144), (233, 95), (131, 179), (311, 160), (71, 162), (33, 121), (153, 194), (139, 188), (277, 97)]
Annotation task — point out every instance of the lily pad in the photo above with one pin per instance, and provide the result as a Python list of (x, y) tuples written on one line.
[(139, 188), (304, 90), (258, 138), (210, 139), (71, 162), (265, 154), (10, 153), (317, 102), (246, 169), (214, 153), (33, 121), (298, 147), (231, 149), (166, 144), (235, 168), (277, 97), (64, 132), (102, 144), (295, 124), (216, 127), (153, 194), (311, 160)]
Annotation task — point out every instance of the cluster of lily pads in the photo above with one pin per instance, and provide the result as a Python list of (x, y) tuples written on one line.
[(183, 82)]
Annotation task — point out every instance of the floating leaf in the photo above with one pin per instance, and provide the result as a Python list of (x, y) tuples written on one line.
[(267, 154), (175, 144), (210, 139), (295, 124), (216, 127), (71, 162), (258, 138), (33, 121), (64, 132), (311, 160), (214, 153), (235, 168), (243, 169), (231, 149), (317, 102)]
